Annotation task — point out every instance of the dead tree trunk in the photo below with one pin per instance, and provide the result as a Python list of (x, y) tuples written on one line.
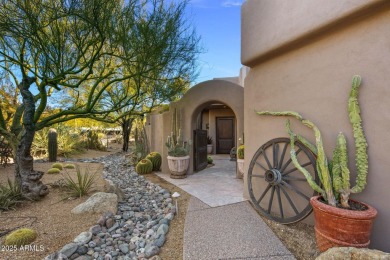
[(28, 179)]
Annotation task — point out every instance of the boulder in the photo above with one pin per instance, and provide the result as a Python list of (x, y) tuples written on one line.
[(352, 253), (99, 202), (111, 187)]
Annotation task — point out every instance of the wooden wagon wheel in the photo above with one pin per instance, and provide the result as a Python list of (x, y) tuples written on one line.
[(278, 190)]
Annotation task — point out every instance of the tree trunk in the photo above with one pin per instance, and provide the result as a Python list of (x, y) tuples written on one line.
[(25, 176), (126, 130)]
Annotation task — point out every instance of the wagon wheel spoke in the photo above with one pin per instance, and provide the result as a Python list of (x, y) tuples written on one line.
[(296, 169), (277, 193), (265, 192), (290, 160), (280, 201), (267, 160), (275, 152), (295, 190), (257, 163), (271, 199), (282, 157), (289, 200)]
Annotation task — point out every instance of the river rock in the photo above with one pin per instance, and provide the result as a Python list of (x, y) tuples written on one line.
[(352, 253)]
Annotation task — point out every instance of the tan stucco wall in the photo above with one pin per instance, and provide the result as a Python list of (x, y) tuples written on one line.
[(192, 103), (313, 76)]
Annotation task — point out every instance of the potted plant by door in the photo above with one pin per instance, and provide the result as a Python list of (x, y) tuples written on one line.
[(209, 144), (178, 156), (240, 159), (339, 221)]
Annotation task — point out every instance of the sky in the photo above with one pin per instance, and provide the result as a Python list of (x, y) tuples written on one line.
[(217, 22)]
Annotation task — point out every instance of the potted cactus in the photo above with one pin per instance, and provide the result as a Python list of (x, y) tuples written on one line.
[(339, 221), (178, 150), (240, 159)]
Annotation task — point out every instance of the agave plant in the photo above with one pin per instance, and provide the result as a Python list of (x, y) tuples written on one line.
[(333, 174)]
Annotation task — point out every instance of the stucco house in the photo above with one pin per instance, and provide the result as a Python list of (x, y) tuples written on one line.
[(302, 55)]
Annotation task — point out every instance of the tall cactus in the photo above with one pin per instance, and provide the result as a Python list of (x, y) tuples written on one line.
[(175, 142), (52, 145), (335, 175)]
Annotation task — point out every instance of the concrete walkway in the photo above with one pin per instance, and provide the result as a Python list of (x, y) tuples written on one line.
[(220, 223)]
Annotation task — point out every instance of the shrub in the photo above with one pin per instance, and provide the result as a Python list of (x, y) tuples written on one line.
[(209, 160), (82, 185), (10, 195), (144, 166), (53, 171), (21, 237), (69, 166), (57, 165), (240, 152)]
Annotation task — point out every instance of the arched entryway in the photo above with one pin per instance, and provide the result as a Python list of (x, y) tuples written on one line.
[(213, 94), (214, 127)]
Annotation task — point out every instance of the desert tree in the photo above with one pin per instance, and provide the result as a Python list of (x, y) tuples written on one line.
[(71, 55)]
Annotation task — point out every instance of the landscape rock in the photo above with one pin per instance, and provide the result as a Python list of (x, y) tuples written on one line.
[(83, 238), (352, 253), (99, 202), (69, 249)]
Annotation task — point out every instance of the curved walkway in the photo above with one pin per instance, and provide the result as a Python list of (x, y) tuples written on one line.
[(220, 223)]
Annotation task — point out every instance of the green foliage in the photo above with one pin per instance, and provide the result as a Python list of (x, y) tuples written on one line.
[(209, 160), (69, 166), (141, 147), (334, 176), (240, 152), (155, 158), (93, 142), (21, 237), (144, 166), (69, 142), (175, 144), (82, 185), (53, 171), (209, 140), (57, 165), (10, 195)]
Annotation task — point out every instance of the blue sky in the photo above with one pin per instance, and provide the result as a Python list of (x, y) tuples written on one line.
[(218, 24)]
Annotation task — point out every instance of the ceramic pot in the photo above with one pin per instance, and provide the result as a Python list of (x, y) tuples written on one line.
[(178, 166), (337, 227), (240, 166), (209, 148)]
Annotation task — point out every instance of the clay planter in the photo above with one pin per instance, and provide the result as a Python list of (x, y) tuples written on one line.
[(240, 166), (178, 166), (209, 148), (336, 227)]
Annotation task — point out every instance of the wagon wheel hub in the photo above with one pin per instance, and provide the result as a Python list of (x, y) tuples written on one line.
[(273, 176)]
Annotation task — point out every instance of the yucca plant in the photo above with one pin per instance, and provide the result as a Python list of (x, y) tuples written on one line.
[(333, 174), (82, 185), (10, 195)]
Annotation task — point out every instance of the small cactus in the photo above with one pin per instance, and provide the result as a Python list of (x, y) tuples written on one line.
[(144, 166), (52, 145), (21, 237), (57, 165), (53, 171), (155, 158), (240, 152), (69, 166)]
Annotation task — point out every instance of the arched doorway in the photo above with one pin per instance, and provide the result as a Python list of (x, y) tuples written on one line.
[(214, 125)]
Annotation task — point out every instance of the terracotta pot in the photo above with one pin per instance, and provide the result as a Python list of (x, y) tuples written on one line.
[(336, 227), (178, 166)]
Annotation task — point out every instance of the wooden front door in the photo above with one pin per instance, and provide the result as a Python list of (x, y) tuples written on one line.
[(200, 150), (225, 134)]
